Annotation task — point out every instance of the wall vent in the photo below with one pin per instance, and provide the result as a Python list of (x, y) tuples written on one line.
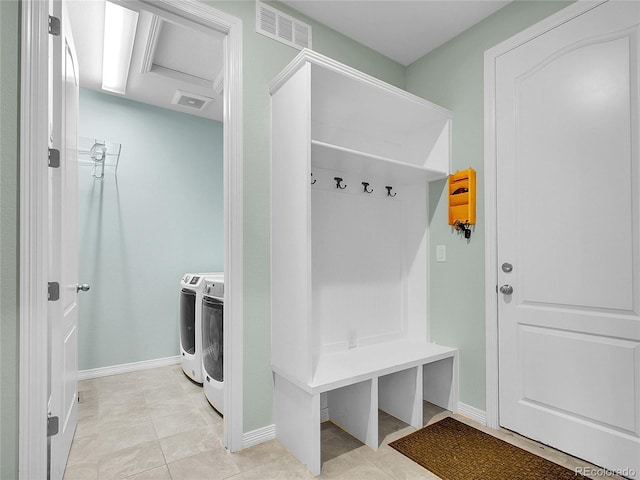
[(282, 27)]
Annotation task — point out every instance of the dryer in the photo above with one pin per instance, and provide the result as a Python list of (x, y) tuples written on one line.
[(191, 287), (213, 341)]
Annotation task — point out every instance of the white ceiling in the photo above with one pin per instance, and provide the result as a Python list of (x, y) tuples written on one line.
[(167, 58), (403, 30)]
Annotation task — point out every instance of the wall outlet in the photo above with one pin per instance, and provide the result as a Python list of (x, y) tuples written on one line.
[(352, 339)]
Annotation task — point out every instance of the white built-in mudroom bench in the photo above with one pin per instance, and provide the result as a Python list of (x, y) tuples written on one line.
[(351, 161)]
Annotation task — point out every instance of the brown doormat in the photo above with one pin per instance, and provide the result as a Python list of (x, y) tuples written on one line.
[(455, 451)]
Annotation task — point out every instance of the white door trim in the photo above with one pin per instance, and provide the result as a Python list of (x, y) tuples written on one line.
[(490, 184), (34, 225), (34, 232)]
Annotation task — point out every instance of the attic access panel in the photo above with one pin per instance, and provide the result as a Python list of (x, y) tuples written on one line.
[(188, 51)]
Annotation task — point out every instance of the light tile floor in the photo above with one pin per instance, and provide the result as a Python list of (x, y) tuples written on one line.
[(157, 425)]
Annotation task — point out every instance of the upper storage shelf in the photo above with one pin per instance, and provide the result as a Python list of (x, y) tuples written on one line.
[(358, 121)]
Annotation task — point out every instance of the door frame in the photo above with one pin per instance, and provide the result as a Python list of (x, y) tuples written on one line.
[(34, 211), (490, 194)]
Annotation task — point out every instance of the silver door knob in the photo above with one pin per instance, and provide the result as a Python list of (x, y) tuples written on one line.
[(83, 286), (506, 289)]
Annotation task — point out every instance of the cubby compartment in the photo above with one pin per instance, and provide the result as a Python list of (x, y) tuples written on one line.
[(400, 395), (388, 124), (350, 165), (439, 383), (354, 408), (364, 248)]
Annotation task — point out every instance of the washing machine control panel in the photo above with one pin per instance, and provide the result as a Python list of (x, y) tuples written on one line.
[(215, 290)]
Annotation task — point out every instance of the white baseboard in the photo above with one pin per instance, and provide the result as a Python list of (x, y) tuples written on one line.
[(261, 435), (473, 413), (127, 367)]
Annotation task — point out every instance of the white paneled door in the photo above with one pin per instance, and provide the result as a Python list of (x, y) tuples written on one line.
[(569, 237), (63, 255)]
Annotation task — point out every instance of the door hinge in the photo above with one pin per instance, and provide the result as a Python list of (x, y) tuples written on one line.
[(54, 158), (54, 25), (53, 426), (53, 291)]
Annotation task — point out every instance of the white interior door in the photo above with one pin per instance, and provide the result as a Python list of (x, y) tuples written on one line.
[(568, 223), (63, 268)]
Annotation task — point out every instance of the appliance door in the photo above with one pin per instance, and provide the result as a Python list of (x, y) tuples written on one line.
[(188, 320), (212, 310)]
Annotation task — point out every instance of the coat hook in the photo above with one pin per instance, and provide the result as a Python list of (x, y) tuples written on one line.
[(366, 187), (314, 180), (389, 191), (339, 183)]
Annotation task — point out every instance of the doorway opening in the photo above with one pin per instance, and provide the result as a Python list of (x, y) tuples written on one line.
[(35, 207)]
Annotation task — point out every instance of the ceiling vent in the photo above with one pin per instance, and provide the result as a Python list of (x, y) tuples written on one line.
[(190, 100), (282, 27)]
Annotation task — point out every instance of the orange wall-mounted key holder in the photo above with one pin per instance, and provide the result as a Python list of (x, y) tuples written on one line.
[(462, 197)]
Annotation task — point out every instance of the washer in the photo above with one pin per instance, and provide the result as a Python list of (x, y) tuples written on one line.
[(191, 287), (213, 341)]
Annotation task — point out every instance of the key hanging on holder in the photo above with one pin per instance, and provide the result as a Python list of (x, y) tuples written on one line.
[(464, 228)]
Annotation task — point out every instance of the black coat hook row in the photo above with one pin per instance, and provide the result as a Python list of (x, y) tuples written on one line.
[(339, 183), (365, 186)]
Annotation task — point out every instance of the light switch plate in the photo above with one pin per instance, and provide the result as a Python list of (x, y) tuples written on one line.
[(441, 253)]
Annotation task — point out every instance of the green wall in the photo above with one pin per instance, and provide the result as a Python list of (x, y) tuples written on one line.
[(452, 76), (9, 88), (139, 232), (263, 59)]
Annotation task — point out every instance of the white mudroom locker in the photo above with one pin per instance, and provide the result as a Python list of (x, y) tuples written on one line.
[(351, 160)]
